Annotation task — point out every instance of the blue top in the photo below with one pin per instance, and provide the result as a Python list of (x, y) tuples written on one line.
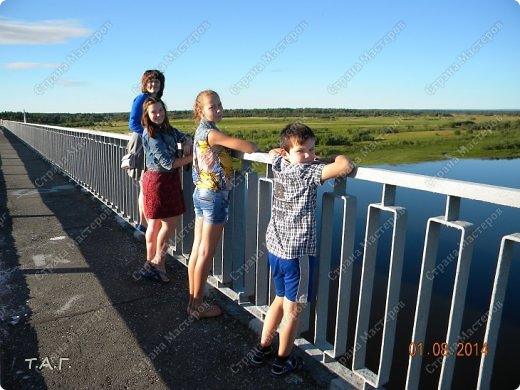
[(161, 151), (136, 113)]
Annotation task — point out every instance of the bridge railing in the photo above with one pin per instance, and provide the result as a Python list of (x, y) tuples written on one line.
[(240, 267)]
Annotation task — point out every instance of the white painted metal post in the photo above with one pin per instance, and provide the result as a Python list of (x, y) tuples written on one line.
[(494, 313)]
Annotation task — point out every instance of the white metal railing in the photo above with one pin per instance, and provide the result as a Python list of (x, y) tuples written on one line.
[(240, 268)]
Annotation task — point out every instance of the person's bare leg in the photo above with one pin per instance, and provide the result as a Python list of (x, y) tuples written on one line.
[(290, 327), (140, 204), (193, 260), (272, 321), (166, 231), (209, 239), (151, 238)]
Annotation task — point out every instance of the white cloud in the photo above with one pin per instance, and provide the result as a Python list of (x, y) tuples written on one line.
[(13, 32), (29, 65)]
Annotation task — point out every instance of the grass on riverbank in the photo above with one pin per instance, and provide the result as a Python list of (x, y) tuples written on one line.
[(382, 139)]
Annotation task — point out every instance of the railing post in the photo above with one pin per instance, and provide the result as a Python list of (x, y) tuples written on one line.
[(505, 256), (252, 244), (238, 225), (428, 273), (262, 265), (452, 208), (392, 305), (186, 223)]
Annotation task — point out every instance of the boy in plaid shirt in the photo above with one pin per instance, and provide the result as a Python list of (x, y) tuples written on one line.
[(291, 239)]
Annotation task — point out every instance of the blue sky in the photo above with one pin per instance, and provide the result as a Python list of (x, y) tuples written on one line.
[(67, 56)]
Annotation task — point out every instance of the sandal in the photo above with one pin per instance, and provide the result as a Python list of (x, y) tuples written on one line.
[(147, 271), (206, 311), (160, 275), (190, 304)]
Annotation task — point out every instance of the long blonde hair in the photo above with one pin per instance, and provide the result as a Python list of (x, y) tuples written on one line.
[(197, 107)]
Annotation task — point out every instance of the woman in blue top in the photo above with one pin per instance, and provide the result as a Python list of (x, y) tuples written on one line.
[(162, 190), (152, 85)]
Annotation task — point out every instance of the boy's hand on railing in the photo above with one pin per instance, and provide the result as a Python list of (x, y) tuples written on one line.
[(274, 152), (324, 160), (340, 159), (347, 161), (340, 167)]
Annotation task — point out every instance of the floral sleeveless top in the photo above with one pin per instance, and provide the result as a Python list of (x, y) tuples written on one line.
[(212, 165)]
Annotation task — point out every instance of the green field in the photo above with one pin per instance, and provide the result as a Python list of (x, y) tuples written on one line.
[(384, 139)]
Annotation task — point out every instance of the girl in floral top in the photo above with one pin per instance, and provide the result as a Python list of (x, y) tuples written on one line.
[(212, 176)]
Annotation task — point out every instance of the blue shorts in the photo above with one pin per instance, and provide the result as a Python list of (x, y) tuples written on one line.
[(293, 278), (213, 206)]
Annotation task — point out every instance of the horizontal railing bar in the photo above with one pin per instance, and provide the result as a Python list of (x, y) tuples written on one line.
[(481, 192), (83, 131), (504, 196), (256, 157)]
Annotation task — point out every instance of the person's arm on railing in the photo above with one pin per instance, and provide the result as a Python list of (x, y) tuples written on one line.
[(338, 166), (161, 154), (341, 167), (275, 152), (185, 140), (218, 138)]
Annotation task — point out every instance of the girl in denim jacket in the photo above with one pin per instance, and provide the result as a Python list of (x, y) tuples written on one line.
[(163, 199), (152, 85)]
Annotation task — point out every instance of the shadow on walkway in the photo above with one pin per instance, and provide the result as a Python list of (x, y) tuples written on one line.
[(79, 317)]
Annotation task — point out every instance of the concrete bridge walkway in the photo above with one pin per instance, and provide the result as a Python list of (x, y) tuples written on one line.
[(73, 317)]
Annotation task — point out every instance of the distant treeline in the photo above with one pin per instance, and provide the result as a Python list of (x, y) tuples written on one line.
[(66, 119), (91, 119)]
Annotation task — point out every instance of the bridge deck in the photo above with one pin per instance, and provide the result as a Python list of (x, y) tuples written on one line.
[(67, 297)]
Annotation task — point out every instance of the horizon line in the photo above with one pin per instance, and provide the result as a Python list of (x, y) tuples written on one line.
[(516, 110)]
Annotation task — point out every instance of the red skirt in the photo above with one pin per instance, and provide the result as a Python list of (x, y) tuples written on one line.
[(162, 193)]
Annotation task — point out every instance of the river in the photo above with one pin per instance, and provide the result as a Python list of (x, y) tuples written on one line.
[(498, 221)]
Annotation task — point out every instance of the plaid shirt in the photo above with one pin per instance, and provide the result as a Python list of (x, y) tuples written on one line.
[(291, 232)]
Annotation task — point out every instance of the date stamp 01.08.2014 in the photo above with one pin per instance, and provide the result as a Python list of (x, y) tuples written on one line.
[(461, 349)]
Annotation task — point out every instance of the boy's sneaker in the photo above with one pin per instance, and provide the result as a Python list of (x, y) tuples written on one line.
[(281, 367), (259, 355)]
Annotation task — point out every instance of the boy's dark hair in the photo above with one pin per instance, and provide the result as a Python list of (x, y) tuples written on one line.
[(295, 133)]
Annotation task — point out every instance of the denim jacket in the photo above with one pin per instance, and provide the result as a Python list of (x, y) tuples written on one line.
[(161, 151)]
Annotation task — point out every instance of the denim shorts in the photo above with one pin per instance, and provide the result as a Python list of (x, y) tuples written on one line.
[(212, 205)]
